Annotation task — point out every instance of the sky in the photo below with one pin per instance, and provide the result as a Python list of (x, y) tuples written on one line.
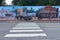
[(8, 2)]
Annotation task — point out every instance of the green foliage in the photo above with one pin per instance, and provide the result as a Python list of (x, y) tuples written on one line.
[(1, 2), (36, 2)]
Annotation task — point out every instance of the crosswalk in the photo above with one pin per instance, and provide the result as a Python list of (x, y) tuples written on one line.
[(27, 29)]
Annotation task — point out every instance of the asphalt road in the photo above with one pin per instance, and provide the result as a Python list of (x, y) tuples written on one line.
[(51, 29)]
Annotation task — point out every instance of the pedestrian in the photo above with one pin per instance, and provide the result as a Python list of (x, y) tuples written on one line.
[(17, 16)]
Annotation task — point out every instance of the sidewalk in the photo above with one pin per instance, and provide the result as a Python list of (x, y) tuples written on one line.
[(41, 20), (7, 19)]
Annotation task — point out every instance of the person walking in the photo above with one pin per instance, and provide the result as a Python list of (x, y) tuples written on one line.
[(17, 16)]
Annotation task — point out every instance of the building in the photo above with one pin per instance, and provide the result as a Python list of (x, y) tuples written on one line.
[(48, 12)]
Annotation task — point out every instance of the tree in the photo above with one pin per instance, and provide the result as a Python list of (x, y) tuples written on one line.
[(36, 2), (25, 2), (54, 2), (57, 2), (17, 2), (1, 2)]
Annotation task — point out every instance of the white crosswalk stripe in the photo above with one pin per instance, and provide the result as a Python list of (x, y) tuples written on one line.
[(28, 29), (27, 25), (25, 35)]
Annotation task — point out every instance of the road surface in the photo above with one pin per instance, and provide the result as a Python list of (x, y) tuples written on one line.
[(29, 31)]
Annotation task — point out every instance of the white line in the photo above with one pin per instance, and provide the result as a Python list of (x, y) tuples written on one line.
[(26, 24), (26, 27), (26, 30), (25, 35)]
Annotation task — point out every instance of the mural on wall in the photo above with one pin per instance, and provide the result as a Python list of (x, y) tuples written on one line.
[(59, 13), (39, 11)]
